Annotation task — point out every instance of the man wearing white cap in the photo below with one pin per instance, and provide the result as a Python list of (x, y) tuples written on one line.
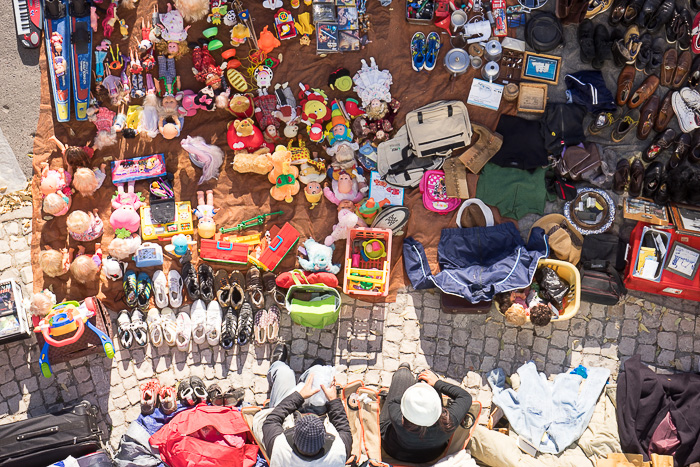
[(415, 426)]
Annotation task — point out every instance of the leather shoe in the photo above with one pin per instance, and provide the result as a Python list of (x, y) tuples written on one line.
[(694, 76), (280, 354), (585, 40), (644, 56), (603, 46), (617, 12), (621, 176), (624, 85), (656, 57), (668, 67), (682, 69), (643, 92), (632, 11), (684, 29), (626, 124), (647, 117), (662, 196), (665, 113), (679, 152), (661, 141), (652, 179), (648, 10), (661, 16), (636, 178)]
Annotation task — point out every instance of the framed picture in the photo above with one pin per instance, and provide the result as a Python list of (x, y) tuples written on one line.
[(639, 209), (686, 219), (543, 68), (683, 260)]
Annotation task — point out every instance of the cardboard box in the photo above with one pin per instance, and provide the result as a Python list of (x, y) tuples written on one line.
[(532, 97)]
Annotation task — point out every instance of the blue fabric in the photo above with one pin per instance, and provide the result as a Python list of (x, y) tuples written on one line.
[(478, 262), (157, 419), (588, 88), (551, 415)]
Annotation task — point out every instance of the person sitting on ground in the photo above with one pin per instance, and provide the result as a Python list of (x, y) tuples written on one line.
[(414, 425), (291, 438)]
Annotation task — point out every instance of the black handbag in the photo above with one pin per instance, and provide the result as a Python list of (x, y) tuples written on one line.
[(601, 283), (50, 438), (544, 32)]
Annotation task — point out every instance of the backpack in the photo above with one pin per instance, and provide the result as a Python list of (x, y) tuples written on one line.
[(544, 32), (312, 305), (434, 191), (562, 125), (602, 256), (439, 128), (398, 165)]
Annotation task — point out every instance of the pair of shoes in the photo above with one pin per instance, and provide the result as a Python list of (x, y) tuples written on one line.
[(640, 95), (192, 391), (679, 29), (199, 283), (267, 324), (626, 49), (206, 322), (162, 326), (167, 290), (645, 52), (604, 120), (595, 44), (153, 395), (131, 328), (237, 326), (231, 398), (683, 147), (269, 279), (137, 290), (676, 68), (655, 183), (424, 51), (254, 287), (625, 125), (230, 290), (596, 7), (661, 141), (686, 106)]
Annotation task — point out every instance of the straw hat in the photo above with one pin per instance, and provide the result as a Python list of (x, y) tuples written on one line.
[(565, 242)]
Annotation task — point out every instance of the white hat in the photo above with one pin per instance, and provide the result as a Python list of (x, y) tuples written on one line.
[(421, 405)]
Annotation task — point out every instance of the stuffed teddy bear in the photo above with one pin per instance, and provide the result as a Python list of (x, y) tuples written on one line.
[(243, 134), (241, 105), (258, 162), (346, 220), (283, 176), (320, 258)]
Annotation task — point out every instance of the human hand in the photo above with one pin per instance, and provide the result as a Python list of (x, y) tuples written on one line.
[(307, 391), (428, 377), (331, 393)]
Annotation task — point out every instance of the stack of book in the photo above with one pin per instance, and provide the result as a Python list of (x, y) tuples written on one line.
[(337, 26)]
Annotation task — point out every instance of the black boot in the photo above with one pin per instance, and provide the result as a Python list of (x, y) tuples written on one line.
[(603, 46), (585, 39)]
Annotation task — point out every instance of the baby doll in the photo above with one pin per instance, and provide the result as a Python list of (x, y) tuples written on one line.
[(85, 268), (148, 123), (103, 118), (313, 193), (57, 204), (173, 34), (516, 314), (169, 119), (87, 181), (192, 10), (540, 315), (54, 180), (344, 188), (42, 303), (125, 219), (74, 156), (83, 226), (205, 213), (55, 263), (205, 69)]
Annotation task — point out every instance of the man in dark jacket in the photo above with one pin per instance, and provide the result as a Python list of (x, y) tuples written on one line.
[(306, 440)]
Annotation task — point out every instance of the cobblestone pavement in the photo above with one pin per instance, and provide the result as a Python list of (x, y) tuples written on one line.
[(368, 343)]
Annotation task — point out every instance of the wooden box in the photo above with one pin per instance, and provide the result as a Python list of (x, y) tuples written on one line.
[(532, 97)]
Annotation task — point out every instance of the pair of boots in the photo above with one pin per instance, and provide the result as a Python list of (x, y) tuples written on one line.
[(595, 43)]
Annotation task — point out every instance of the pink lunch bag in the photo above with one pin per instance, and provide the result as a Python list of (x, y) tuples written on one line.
[(435, 199)]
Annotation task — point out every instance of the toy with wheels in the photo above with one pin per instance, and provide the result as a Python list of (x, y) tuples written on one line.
[(66, 318)]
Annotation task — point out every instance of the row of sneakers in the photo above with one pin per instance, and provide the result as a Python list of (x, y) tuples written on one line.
[(424, 51)]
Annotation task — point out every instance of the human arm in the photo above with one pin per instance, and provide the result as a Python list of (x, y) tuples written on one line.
[(461, 400), (338, 417)]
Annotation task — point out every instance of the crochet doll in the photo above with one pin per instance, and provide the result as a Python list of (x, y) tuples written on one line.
[(83, 226), (205, 213), (125, 219), (42, 303), (88, 181), (55, 263), (86, 268)]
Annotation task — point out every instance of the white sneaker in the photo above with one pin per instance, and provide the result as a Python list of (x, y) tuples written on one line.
[(175, 288), (687, 118), (213, 325), (168, 325), (160, 289), (155, 329), (691, 98), (198, 316), (184, 332)]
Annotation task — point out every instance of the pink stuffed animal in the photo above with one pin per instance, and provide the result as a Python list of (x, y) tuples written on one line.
[(346, 220), (125, 219)]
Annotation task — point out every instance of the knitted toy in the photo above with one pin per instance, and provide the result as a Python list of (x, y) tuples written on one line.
[(320, 258), (346, 220), (258, 162)]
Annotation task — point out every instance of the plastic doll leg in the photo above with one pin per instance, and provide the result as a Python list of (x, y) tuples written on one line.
[(210, 197), (200, 197), (120, 188), (130, 186)]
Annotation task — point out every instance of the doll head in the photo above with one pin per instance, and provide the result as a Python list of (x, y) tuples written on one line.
[(51, 180), (173, 49), (540, 315), (346, 204), (77, 157), (344, 183), (85, 181), (169, 105), (206, 228), (84, 269), (56, 204), (516, 314), (169, 129), (42, 302), (54, 263), (78, 222), (313, 193)]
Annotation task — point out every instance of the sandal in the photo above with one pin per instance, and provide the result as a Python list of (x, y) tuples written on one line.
[(245, 324), (260, 326), (269, 279), (139, 327), (155, 328), (234, 397), (168, 399), (229, 329), (254, 287), (124, 330), (223, 288), (168, 323), (272, 331), (149, 396), (237, 294)]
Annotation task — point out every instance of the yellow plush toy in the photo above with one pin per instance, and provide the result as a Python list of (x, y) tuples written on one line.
[(283, 176), (258, 162)]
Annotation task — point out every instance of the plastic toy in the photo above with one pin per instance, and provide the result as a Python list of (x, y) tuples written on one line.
[(112, 268), (267, 42), (148, 255), (373, 249), (124, 219), (369, 209), (284, 23), (180, 245), (365, 276), (313, 193), (248, 223), (320, 257), (282, 241), (182, 225), (138, 168), (224, 252), (283, 175), (205, 212), (64, 318), (305, 28)]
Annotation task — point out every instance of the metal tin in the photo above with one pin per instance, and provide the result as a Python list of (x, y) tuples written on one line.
[(457, 61), (493, 51), (490, 71)]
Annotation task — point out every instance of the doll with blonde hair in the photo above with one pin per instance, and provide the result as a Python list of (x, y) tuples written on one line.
[(85, 226), (86, 268), (55, 263), (87, 181), (42, 303), (57, 204)]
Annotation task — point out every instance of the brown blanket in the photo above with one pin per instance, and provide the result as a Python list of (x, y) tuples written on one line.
[(241, 196)]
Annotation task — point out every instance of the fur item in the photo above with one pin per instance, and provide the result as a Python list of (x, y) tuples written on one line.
[(258, 162), (123, 248), (206, 156), (347, 220), (192, 10), (320, 258), (42, 303)]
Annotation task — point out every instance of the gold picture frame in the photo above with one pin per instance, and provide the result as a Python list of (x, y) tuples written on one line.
[(538, 67)]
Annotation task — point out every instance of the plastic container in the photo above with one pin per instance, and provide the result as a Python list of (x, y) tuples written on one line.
[(373, 274)]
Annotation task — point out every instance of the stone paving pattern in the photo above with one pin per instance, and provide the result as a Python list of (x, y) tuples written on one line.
[(368, 343)]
